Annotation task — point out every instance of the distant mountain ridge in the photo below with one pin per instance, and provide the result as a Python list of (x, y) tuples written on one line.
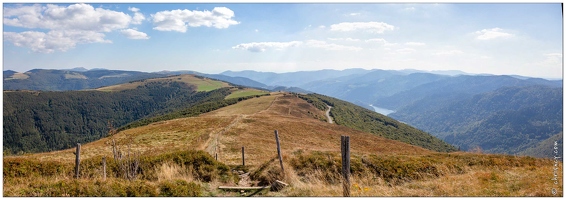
[(81, 78), (62, 80), (293, 78)]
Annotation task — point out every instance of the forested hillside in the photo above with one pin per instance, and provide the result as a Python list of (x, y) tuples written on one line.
[(45, 121), (545, 148), (507, 120), (350, 115)]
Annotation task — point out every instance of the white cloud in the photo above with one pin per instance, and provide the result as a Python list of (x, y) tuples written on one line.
[(179, 20), (344, 39), (330, 46), (415, 43), (134, 34), (133, 9), (65, 26), (81, 17), (372, 27), (263, 46), (405, 50), (321, 26), (449, 52), (381, 41), (256, 30), (355, 14), (552, 59), (488, 34), (53, 40), (138, 17), (558, 55), (410, 9)]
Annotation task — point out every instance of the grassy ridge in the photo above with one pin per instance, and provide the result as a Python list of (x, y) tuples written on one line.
[(358, 118), (245, 93), (203, 106)]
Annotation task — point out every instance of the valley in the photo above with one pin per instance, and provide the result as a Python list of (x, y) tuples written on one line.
[(383, 111)]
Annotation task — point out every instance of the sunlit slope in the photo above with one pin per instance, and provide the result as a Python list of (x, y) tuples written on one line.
[(250, 123), (201, 83)]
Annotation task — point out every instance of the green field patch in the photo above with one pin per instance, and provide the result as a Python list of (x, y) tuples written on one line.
[(245, 93), (208, 85)]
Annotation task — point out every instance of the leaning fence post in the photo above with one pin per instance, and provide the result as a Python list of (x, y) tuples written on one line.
[(279, 152), (243, 158), (77, 160), (104, 168), (345, 147)]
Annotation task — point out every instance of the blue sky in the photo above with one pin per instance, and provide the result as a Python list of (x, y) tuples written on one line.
[(521, 39)]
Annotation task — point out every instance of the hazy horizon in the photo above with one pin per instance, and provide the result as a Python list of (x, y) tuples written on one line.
[(495, 38), (426, 71)]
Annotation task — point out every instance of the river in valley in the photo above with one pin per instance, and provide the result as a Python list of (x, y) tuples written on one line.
[(382, 111)]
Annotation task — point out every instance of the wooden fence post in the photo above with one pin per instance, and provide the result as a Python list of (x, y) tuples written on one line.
[(104, 168), (77, 160), (279, 152), (216, 156), (243, 158), (345, 147)]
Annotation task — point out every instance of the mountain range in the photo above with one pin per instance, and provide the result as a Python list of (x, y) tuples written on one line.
[(466, 110)]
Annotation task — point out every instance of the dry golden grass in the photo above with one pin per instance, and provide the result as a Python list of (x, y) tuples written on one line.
[(156, 138), (298, 130), (75, 76), (247, 107), (171, 171), (478, 182), (18, 76)]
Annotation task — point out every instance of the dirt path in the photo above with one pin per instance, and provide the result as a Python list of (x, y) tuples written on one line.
[(328, 114), (213, 144), (271, 104)]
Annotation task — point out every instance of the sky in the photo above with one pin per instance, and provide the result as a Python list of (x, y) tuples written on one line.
[(513, 39)]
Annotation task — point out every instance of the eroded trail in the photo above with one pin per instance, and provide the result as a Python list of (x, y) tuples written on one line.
[(212, 145), (328, 114)]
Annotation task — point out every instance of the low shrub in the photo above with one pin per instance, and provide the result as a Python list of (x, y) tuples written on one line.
[(179, 188)]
